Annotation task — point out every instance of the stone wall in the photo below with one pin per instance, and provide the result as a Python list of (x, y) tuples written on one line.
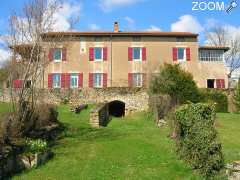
[(99, 116)]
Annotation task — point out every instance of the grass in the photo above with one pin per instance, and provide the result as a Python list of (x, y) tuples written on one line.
[(129, 148)]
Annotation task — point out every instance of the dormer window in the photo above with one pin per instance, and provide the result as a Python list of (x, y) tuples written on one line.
[(211, 55)]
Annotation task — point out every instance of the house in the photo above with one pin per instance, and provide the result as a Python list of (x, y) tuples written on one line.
[(127, 59)]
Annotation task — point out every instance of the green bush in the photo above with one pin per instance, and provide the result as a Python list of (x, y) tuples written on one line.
[(215, 96), (197, 138), (237, 98), (176, 82), (35, 146)]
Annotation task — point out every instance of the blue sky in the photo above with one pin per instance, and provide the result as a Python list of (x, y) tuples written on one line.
[(134, 15)]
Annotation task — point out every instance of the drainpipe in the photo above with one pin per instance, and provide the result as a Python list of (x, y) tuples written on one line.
[(111, 59)]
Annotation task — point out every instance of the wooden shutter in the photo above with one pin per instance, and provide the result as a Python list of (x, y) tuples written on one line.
[(49, 80), (104, 80), (144, 54), (64, 54), (91, 54), (222, 83), (188, 54), (67, 80), (174, 54), (80, 80), (105, 53), (63, 76), (130, 79), (218, 83), (130, 54), (50, 54), (90, 80), (17, 84)]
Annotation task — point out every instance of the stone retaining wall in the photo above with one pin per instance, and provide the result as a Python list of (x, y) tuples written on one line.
[(99, 116)]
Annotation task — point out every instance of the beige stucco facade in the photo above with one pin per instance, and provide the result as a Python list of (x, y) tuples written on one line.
[(117, 66)]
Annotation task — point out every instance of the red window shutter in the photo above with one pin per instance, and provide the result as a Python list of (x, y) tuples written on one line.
[(90, 80), (91, 54), (49, 80), (188, 54), (50, 54), (17, 84), (67, 80), (130, 79), (104, 80), (63, 76), (144, 54), (144, 79), (105, 53), (130, 54), (218, 83), (174, 53), (222, 83), (64, 54), (80, 80)]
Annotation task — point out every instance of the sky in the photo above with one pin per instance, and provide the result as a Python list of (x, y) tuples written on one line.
[(195, 16)]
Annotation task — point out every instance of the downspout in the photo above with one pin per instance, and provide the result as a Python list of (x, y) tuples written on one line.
[(111, 58)]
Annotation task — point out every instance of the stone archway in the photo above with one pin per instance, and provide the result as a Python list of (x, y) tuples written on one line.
[(116, 108)]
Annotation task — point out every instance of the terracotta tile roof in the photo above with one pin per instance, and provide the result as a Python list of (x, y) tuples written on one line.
[(215, 47), (164, 34)]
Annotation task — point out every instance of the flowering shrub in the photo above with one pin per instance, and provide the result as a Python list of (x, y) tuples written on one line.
[(35, 146)]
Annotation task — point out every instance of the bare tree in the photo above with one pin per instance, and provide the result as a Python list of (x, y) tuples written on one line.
[(221, 36), (29, 58)]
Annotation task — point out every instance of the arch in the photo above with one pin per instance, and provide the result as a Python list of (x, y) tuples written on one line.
[(116, 108)]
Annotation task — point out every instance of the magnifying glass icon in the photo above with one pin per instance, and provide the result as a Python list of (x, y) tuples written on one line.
[(232, 5)]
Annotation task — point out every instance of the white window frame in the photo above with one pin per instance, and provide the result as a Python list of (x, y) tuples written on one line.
[(75, 75), (57, 60), (53, 84), (211, 55), (101, 83), (184, 54), (140, 54), (97, 60), (137, 83)]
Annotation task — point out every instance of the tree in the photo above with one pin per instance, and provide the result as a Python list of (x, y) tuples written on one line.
[(222, 36)]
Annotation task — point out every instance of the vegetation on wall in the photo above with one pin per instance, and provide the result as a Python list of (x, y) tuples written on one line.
[(237, 98), (176, 82), (197, 140)]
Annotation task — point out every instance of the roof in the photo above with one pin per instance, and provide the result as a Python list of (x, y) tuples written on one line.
[(214, 48), (161, 34)]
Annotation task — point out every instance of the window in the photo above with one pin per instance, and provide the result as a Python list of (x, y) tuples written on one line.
[(74, 81), (56, 80), (98, 54), (136, 53), (57, 55), (181, 39), (210, 83), (211, 55), (98, 39), (181, 54), (97, 80), (137, 79), (28, 83), (137, 39)]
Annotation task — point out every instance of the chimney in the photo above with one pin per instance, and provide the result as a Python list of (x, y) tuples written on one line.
[(116, 27)]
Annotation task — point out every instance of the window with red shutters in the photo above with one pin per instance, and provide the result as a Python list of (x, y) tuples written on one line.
[(188, 54), (130, 79), (218, 83), (80, 80), (174, 54), (63, 76), (91, 54), (67, 80), (130, 54), (90, 80), (104, 80), (144, 54), (223, 83), (50, 54), (105, 53), (17, 84), (64, 54), (49, 80)]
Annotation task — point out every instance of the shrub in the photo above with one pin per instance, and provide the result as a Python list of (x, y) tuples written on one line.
[(177, 83), (35, 146), (215, 96), (197, 138), (237, 98)]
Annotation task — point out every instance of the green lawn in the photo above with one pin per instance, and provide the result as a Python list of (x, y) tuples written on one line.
[(129, 148)]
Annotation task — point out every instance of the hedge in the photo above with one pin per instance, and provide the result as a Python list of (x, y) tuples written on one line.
[(197, 140)]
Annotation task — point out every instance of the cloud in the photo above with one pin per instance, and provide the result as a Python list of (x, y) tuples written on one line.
[(153, 28), (130, 22), (109, 5), (94, 27), (187, 23), (4, 55), (63, 17)]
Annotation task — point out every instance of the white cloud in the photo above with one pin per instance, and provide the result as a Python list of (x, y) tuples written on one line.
[(108, 5), (94, 27), (4, 55), (130, 22), (153, 28), (187, 23)]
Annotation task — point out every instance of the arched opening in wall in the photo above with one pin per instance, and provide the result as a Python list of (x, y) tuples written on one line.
[(117, 108)]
